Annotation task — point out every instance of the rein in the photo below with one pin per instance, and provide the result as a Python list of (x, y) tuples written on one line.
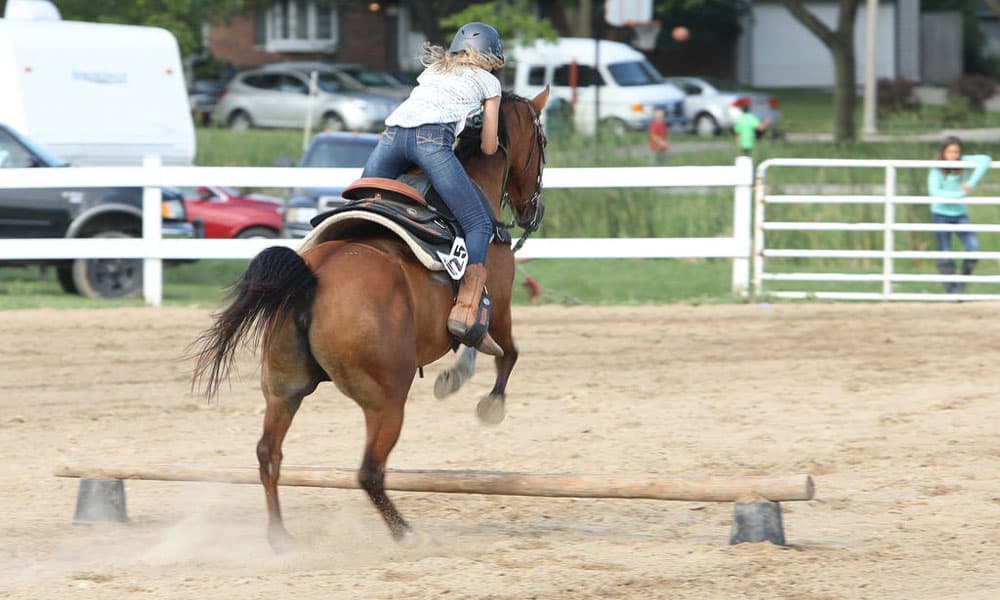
[(535, 200)]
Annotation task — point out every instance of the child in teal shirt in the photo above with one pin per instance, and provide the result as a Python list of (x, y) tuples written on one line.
[(954, 184)]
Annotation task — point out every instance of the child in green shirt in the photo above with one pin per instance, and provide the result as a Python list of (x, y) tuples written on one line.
[(747, 127)]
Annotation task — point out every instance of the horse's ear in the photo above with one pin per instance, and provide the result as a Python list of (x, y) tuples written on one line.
[(538, 102)]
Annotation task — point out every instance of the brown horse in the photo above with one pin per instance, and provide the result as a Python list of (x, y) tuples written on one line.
[(365, 314)]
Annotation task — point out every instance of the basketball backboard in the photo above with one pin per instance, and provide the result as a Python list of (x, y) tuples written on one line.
[(626, 12)]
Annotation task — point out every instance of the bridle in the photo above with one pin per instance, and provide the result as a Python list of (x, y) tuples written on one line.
[(534, 203)]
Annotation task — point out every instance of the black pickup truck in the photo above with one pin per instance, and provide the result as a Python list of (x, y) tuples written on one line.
[(79, 213)]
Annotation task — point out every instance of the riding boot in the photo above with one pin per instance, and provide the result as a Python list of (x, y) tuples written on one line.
[(947, 268), (469, 320), (968, 266)]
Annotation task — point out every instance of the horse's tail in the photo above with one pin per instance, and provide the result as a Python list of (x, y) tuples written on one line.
[(277, 284)]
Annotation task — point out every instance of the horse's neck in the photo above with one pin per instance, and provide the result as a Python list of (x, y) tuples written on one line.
[(487, 172)]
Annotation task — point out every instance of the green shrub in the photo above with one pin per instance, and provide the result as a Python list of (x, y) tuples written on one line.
[(958, 111), (896, 95), (975, 88)]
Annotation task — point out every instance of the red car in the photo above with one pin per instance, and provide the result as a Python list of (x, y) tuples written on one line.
[(227, 214)]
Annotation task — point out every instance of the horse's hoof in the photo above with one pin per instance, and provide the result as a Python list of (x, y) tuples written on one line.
[(281, 541), (490, 409), (410, 539), (446, 384)]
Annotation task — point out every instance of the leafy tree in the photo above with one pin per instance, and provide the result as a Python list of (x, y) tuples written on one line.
[(183, 18), (711, 22), (511, 20), (841, 45), (425, 14)]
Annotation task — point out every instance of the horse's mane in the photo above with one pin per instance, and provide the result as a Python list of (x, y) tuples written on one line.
[(470, 139)]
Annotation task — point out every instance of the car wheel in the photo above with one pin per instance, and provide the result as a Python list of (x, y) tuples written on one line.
[(240, 121), (108, 277), (614, 127), (65, 276), (257, 233), (333, 122), (706, 125)]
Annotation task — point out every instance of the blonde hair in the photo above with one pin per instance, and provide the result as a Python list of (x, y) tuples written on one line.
[(440, 58)]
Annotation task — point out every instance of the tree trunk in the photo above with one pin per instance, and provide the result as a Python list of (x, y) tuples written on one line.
[(841, 45), (844, 90)]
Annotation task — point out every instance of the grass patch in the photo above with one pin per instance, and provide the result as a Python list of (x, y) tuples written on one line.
[(627, 281), (571, 282), (219, 147), (805, 110), (608, 213)]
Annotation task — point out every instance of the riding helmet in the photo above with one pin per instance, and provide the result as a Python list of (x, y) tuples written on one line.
[(478, 36)]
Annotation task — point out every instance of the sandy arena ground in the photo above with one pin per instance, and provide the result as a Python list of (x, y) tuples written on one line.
[(892, 408)]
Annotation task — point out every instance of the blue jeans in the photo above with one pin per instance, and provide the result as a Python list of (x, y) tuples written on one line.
[(430, 148), (968, 238)]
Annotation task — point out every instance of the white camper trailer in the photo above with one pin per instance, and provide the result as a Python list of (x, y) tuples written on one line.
[(93, 93)]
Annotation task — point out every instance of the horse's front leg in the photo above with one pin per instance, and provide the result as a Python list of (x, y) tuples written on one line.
[(451, 379), (491, 408)]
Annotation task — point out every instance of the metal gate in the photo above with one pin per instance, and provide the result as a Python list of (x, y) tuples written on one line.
[(884, 268)]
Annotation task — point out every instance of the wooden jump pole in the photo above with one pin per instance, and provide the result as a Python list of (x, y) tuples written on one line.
[(756, 514), (693, 489)]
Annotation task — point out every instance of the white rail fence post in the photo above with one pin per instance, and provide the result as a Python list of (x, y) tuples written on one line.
[(742, 229), (889, 275), (888, 235), (152, 249), (152, 229)]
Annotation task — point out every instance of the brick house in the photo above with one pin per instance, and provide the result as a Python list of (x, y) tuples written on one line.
[(388, 39), (307, 30)]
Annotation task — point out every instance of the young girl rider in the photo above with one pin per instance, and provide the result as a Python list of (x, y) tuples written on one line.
[(455, 84)]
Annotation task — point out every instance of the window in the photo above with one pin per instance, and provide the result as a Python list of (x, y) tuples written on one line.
[(586, 76), (299, 26), (691, 89), (634, 73), (293, 85), (339, 154), (19, 153), (536, 76), (12, 155), (264, 81)]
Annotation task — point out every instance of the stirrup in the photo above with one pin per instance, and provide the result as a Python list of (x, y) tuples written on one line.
[(478, 335)]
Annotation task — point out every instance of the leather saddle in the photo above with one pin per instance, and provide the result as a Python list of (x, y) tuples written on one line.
[(406, 207)]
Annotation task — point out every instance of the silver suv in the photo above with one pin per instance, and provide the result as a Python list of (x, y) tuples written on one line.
[(278, 96)]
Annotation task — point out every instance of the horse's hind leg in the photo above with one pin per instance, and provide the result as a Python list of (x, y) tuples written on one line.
[(277, 419), (383, 425), (381, 398), (451, 379), (285, 382)]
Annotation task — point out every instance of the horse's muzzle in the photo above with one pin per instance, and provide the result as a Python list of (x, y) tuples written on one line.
[(534, 219)]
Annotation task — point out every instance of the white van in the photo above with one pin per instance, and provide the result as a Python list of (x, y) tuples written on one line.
[(630, 87), (94, 93)]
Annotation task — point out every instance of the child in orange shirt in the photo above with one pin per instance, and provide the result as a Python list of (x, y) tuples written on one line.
[(659, 143)]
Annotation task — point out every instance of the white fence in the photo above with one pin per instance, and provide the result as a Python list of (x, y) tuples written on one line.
[(152, 177), (769, 283)]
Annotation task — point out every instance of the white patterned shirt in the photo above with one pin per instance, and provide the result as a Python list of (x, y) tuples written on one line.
[(446, 97)]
